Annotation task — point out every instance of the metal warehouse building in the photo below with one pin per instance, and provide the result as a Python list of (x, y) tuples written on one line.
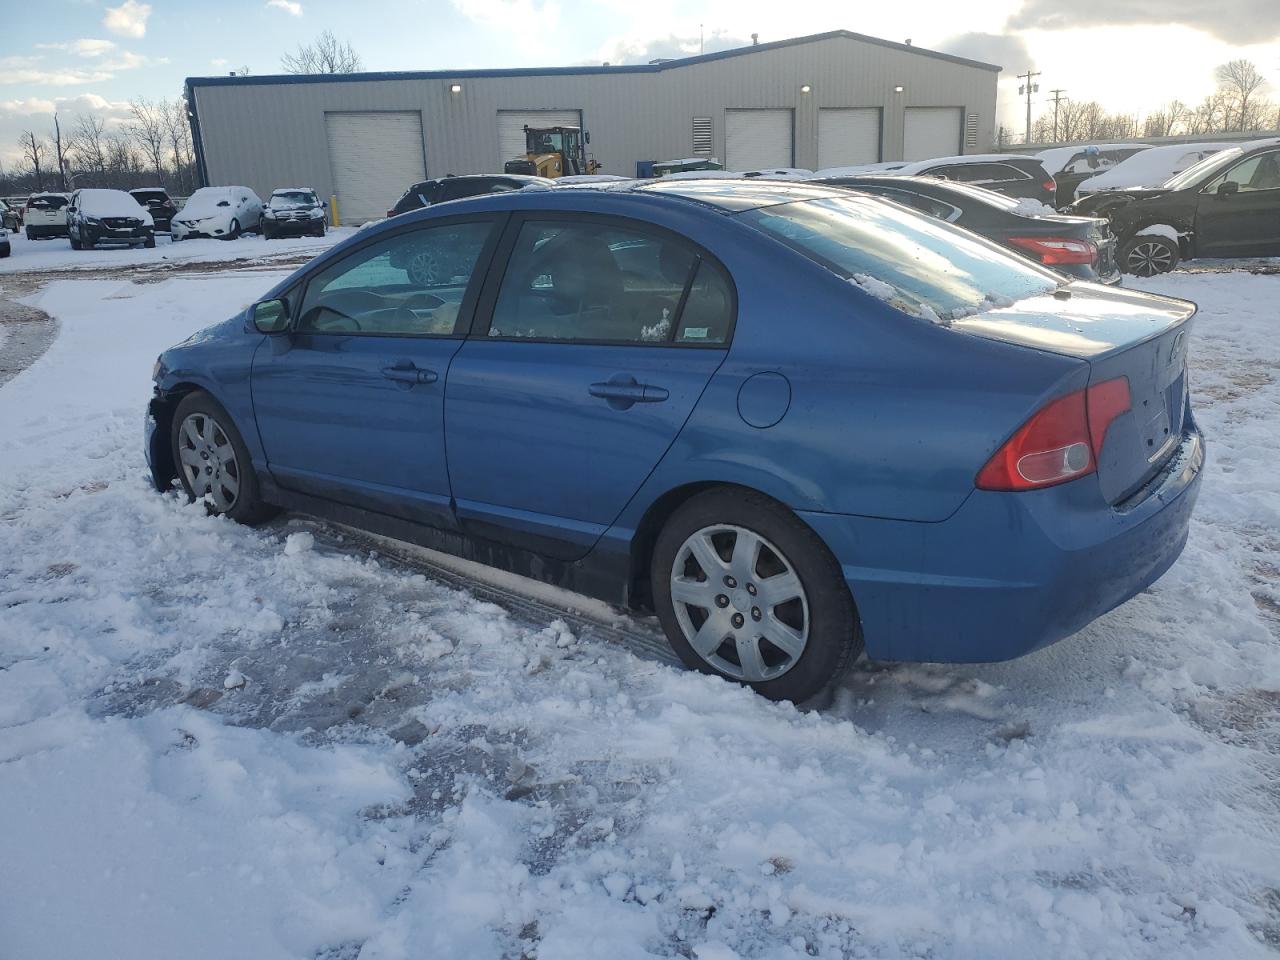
[(820, 101)]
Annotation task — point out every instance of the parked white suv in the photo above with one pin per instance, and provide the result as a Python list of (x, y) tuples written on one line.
[(220, 212), (97, 216), (45, 215)]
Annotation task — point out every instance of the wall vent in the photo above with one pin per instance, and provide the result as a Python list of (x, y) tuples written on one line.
[(702, 136), (971, 130)]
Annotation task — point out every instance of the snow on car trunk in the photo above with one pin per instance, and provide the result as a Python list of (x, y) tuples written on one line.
[(284, 742)]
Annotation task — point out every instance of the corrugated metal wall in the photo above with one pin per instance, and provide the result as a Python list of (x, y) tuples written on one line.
[(268, 134)]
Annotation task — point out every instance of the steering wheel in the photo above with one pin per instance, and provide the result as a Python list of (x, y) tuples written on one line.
[(332, 321)]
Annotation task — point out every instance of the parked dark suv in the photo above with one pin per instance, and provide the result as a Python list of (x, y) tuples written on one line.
[(158, 204), (1079, 246), (97, 216), (1012, 174), (1227, 205), (430, 192)]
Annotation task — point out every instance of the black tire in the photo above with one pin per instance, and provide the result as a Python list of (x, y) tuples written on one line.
[(266, 233), (1148, 254), (834, 636), (75, 244), (5, 251), (150, 242), (233, 232), (31, 234), (248, 506)]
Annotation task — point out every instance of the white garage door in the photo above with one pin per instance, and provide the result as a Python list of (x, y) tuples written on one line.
[(930, 132), (848, 136), (374, 157), (511, 124), (757, 139)]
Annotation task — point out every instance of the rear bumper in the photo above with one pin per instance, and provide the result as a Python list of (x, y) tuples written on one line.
[(46, 229), (1010, 573)]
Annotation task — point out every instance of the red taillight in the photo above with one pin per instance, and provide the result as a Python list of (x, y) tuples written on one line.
[(1051, 185), (390, 214), (1060, 442), (1054, 251)]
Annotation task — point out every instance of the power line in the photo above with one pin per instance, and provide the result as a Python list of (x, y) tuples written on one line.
[(1029, 88), (1057, 97)]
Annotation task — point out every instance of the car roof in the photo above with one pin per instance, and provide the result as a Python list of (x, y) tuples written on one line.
[(734, 194)]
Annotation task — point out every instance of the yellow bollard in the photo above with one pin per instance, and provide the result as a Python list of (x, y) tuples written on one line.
[(333, 211)]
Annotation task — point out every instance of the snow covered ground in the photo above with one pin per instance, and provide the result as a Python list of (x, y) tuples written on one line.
[(218, 742), (55, 253)]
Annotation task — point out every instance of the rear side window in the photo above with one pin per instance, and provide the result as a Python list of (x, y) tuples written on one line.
[(409, 285), (928, 266), (981, 172), (598, 283)]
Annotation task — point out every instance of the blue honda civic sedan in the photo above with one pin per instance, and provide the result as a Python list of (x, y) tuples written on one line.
[(794, 421)]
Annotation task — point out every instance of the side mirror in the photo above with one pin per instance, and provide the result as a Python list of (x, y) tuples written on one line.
[(1228, 187), (271, 316)]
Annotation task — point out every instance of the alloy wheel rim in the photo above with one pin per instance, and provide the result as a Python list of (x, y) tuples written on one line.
[(740, 603), (209, 461), (1148, 259), (424, 267)]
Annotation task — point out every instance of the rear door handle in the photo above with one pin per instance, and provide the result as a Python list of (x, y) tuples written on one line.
[(621, 392), (404, 372)]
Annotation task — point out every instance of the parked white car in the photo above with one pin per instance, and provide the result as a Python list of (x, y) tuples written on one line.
[(45, 215), (219, 212), (1150, 168)]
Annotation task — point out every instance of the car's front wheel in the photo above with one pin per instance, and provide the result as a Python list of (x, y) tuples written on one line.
[(213, 461), (233, 231), (746, 591), (1148, 254)]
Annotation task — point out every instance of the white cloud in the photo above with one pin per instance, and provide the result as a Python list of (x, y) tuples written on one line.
[(514, 16), (129, 19), (219, 61), (54, 78), (86, 47), (291, 7)]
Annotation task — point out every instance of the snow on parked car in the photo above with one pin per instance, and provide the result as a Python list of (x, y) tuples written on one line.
[(45, 215), (220, 212), (293, 211), (1150, 168), (96, 216)]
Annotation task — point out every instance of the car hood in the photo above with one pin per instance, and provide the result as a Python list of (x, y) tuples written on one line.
[(1105, 200), (1093, 322)]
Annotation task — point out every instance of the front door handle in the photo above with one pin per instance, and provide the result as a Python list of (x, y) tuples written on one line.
[(405, 372), (622, 391)]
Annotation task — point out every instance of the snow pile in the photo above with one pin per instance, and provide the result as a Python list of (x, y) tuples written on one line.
[(400, 769), (1151, 168), (1159, 230), (1027, 207)]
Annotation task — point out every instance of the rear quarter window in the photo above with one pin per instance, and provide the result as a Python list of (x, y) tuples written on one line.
[(922, 266)]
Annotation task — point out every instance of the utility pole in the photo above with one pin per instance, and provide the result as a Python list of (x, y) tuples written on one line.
[(1057, 97), (1029, 88)]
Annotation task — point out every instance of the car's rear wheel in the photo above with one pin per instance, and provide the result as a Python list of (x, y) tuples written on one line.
[(213, 461), (31, 234), (149, 242), (746, 591), (1147, 255)]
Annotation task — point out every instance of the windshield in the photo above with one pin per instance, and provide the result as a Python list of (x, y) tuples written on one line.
[(931, 266), (293, 198), (549, 141), (206, 199), (150, 196), (1202, 168)]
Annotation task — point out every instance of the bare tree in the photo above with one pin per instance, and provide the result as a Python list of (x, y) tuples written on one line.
[(149, 130), (1165, 121), (327, 54), (89, 143), (1241, 83), (178, 134), (33, 151), (60, 154)]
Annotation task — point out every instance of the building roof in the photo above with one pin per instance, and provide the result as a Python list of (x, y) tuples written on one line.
[(582, 70)]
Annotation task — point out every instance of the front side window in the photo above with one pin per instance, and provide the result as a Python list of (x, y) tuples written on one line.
[(597, 283), (927, 263), (1261, 172), (411, 284)]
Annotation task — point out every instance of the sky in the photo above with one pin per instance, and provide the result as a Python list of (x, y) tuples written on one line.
[(1133, 55)]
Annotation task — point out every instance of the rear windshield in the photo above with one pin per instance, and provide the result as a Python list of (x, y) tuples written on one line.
[(916, 262), (48, 202), (147, 196)]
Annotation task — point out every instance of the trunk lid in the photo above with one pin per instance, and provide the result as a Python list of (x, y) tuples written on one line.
[(1120, 333)]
